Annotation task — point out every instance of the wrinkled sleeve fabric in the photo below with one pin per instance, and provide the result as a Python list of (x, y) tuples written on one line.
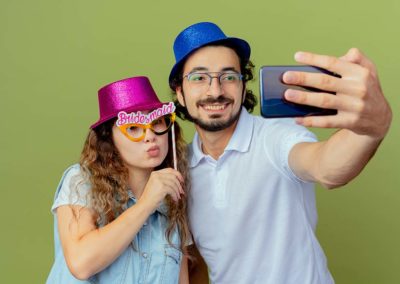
[(73, 189), (281, 137)]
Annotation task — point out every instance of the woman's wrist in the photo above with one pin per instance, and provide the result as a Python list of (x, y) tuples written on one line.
[(148, 206)]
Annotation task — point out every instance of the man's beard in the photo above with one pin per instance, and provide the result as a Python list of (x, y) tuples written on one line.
[(214, 126)]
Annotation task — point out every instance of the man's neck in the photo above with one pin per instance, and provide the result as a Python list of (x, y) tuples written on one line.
[(213, 143)]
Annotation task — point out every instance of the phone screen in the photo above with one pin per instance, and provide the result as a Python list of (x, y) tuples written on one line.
[(272, 89)]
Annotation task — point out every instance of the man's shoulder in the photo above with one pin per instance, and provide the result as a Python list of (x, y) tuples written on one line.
[(276, 124), (264, 126), (271, 133)]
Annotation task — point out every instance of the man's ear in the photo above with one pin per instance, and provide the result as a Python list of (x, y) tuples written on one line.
[(179, 95)]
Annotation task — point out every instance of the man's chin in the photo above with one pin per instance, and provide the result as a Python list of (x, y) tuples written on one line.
[(216, 117), (216, 124)]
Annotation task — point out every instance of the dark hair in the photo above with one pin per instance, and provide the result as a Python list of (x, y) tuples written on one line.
[(246, 68)]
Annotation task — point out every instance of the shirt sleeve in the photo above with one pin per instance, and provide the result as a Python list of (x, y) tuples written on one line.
[(73, 189), (283, 135)]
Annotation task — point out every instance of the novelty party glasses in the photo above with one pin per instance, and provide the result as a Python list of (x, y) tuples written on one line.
[(136, 132)]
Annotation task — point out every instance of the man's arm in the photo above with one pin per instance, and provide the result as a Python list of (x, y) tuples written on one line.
[(364, 117)]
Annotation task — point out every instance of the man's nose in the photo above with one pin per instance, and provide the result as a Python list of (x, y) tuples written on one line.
[(215, 88)]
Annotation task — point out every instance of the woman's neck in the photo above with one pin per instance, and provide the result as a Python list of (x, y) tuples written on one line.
[(137, 180)]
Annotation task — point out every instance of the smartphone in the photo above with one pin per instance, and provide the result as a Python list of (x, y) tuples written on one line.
[(272, 89)]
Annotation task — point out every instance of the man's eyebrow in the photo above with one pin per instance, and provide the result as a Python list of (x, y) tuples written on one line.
[(195, 69), (200, 68), (229, 69)]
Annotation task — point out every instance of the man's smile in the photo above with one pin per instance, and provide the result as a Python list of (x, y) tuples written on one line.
[(215, 105)]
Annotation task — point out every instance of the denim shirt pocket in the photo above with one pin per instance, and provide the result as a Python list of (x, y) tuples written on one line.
[(116, 273), (172, 265)]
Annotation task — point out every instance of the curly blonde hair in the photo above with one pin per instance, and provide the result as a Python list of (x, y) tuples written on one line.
[(102, 165)]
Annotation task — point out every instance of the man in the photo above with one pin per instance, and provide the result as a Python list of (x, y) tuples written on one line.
[(252, 204)]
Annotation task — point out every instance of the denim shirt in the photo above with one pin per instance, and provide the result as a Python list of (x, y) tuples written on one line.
[(148, 259)]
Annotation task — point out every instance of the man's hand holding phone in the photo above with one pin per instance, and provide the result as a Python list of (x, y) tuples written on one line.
[(363, 116), (359, 100)]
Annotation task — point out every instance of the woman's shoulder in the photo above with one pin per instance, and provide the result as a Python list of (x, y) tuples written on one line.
[(72, 170), (74, 176), (73, 189)]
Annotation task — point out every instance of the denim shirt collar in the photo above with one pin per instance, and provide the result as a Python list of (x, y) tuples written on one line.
[(162, 208), (240, 140)]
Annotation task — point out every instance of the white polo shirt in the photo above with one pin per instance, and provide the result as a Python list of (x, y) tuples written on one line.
[(252, 219)]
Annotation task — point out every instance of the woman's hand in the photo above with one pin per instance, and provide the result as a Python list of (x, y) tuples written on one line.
[(160, 184)]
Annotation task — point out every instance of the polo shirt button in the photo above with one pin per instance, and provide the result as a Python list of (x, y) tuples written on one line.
[(144, 255)]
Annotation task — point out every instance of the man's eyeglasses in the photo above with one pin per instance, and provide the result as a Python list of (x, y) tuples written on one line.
[(202, 80), (136, 132)]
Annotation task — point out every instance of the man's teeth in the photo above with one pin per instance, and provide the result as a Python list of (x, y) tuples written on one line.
[(214, 107)]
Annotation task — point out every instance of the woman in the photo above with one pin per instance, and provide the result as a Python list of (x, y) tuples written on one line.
[(120, 214)]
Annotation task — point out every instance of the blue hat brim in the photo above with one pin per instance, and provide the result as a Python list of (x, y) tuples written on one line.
[(240, 46)]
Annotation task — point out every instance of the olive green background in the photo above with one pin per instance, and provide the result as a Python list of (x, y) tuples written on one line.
[(55, 55)]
